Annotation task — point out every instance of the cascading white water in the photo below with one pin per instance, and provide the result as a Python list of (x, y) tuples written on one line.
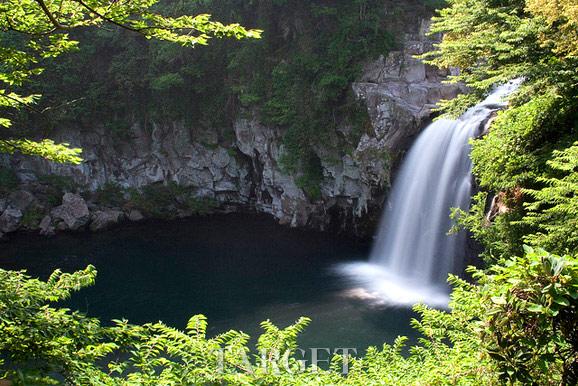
[(413, 252)]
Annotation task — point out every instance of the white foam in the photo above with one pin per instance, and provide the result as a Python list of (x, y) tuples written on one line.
[(378, 286)]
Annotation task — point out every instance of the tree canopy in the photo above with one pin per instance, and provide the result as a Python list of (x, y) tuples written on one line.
[(33, 31)]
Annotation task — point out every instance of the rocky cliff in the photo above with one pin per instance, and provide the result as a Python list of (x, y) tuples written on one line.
[(243, 169)]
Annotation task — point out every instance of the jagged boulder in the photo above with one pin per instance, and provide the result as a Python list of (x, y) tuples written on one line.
[(73, 212), (46, 227), (102, 220), (21, 200), (135, 215), (10, 220)]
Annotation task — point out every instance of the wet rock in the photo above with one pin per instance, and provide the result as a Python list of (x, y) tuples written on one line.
[(73, 212), (46, 227), (135, 215), (10, 220), (102, 220)]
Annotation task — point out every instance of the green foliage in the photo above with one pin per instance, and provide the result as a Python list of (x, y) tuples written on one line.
[(42, 344), (167, 82), (553, 209), (57, 152), (38, 340), (506, 36), (34, 31), (532, 317), (311, 177), (54, 186), (435, 4), (310, 92), (64, 184), (32, 217), (509, 155), (168, 201), (110, 194)]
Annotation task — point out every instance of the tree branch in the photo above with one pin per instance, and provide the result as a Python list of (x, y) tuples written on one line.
[(50, 16), (137, 30), (108, 19), (27, 106)]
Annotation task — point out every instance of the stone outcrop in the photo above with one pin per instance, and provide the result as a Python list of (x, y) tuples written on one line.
[(400, 92), (10, 220), (73, 214), (21, 200), (102, 220), (243, 168), (135, 215), (46, 227)]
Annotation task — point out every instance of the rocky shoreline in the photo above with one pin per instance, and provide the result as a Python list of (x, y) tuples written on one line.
[(21, 211)]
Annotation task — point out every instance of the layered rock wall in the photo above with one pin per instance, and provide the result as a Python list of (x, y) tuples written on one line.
[(244, 170)]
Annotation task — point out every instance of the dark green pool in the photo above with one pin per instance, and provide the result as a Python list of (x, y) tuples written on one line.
[(236, 269)]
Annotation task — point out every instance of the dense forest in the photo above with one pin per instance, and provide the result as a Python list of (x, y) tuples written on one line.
[(514, 321), (297, 76)]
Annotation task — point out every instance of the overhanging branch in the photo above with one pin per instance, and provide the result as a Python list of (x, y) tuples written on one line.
[(50, 16)]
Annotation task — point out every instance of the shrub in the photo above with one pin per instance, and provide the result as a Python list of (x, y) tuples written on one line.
[(32, 217), (110, 194), (166, 201), (531, 317)]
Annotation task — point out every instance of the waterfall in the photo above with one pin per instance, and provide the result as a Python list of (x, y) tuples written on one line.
[(413, 252)]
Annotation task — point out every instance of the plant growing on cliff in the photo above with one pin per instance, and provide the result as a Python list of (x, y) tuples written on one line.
[(34, 31), (170, 200), (110, 194)]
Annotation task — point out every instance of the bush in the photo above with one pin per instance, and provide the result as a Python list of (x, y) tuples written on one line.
[(531, 323), (168, 201), (110, 194), (32, 217)]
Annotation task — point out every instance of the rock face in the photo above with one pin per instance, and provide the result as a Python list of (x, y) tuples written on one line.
[(400, 92), (244, 169), (102, 220), (46, 227), (21, 200), (135, 215), (73, 212), (10, 220)]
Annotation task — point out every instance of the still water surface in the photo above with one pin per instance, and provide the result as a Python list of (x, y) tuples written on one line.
[(237, 269)]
